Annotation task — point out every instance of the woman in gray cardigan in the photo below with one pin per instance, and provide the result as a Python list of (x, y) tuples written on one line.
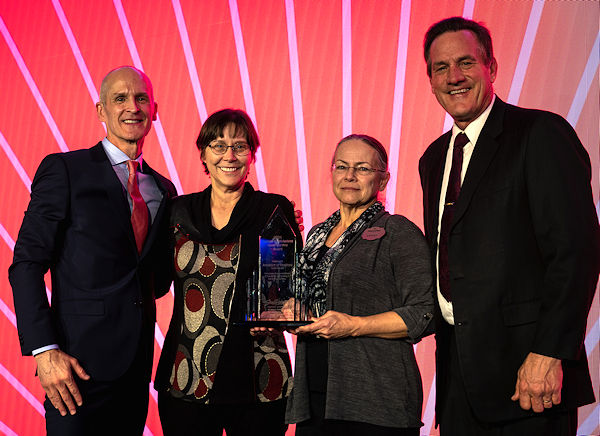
[(369, 285)]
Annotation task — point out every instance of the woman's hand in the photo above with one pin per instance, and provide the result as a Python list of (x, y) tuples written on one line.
[(335, 325), (298, 216), (332, 325)]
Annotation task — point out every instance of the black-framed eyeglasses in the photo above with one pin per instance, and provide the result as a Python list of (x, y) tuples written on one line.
[(360, 170), (239, 149)]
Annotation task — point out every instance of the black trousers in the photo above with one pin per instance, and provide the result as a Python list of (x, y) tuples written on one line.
[(186, 418), (457, 418), (114, 408)]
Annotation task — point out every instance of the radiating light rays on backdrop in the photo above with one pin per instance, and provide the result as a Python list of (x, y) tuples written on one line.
[(298, 114), (189, 60), (396, 131), (590, 425), (22, 390), (4, 308), (85, 73), (158, 128), (583, 89), (307, 150), (33, 87), (247, 88), (10, 155), (346, 67), (525, 54), (7, 430)]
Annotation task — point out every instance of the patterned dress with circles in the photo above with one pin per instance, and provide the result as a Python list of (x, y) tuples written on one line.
[(209, 273)]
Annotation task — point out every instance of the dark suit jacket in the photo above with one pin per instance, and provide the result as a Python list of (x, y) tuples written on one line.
[(523, 256), (78, 225)]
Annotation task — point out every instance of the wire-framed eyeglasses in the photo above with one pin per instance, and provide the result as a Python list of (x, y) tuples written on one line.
[(239, 148), (360, 170)]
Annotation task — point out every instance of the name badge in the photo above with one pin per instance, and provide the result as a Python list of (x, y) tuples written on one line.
[(373, 233)]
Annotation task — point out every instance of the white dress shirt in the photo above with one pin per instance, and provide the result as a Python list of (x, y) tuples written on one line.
[(472, 131)]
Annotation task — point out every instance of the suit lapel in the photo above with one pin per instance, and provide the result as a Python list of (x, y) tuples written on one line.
[(434, 184), (484, 152), (114, 189)]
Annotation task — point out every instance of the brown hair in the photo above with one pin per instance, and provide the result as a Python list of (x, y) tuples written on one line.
[(215, 124), (456, 24)]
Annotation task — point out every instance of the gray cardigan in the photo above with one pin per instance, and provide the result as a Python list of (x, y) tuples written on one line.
[(374, 380)]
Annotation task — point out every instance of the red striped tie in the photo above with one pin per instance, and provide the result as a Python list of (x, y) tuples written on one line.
[(139, 213)]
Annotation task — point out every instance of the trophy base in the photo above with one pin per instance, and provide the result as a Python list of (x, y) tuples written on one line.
[(272, 324)]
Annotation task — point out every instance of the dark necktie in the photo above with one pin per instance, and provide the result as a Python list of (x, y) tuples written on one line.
[(139, 212), (451, 196)]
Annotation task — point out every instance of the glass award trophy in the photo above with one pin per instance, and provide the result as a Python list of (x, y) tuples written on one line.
[(273, 290)]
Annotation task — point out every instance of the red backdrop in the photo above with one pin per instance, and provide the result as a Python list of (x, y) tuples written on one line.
[(307, 71)]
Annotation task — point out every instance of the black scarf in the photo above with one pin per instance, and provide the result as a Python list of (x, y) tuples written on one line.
[(198, 223)]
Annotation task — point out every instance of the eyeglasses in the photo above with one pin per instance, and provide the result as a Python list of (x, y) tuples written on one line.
[(361, 170), (239, 149)]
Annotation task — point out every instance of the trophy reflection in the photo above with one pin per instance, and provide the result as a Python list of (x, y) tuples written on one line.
[(273, 291)]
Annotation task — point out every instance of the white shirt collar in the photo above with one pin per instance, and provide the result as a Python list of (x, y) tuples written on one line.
[(116, 155), (473, 130)]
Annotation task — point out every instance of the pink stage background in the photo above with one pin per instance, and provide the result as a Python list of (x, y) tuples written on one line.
[(307, 71)]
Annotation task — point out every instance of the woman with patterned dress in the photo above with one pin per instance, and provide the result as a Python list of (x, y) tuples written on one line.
[(212, 374), (369, 287)]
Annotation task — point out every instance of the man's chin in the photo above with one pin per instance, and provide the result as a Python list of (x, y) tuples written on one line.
[(134, 139), (460, 116)]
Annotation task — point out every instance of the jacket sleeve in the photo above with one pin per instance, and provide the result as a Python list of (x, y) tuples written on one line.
[(565, 224), (164, 267), (37, 248), (411, 263)]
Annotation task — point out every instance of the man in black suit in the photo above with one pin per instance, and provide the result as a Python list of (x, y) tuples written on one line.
[(97, 220), (509, 214)]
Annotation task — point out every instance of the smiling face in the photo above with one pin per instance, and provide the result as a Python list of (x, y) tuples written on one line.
[(127, 108), (228, 172), (460, 79), (351, 189)]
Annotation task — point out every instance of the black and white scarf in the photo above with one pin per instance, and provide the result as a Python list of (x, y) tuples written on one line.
[(314, 274)]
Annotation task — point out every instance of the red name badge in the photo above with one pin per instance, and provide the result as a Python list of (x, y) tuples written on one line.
[(373, 233)]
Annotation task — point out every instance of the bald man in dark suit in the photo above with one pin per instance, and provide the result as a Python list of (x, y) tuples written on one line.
[(97, 220)]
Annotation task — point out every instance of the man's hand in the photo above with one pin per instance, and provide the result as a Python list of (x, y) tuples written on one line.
[(332, 325), (298, 216), (539, 382), (55, 371)]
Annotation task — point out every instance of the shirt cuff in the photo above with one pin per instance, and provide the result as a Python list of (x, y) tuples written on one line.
[(42, 349)]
